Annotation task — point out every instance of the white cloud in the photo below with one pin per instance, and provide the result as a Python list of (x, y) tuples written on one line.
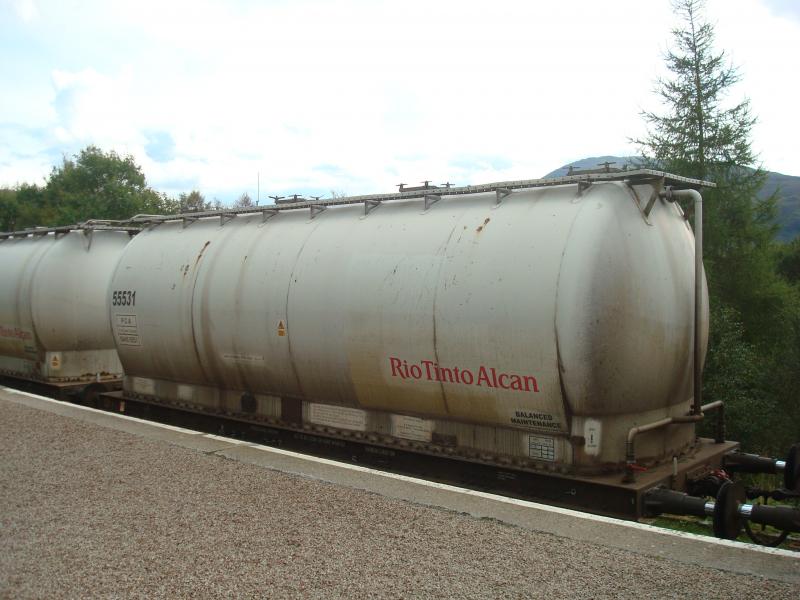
[(385, 92), (766, 49), (94, 108), (26, 10)]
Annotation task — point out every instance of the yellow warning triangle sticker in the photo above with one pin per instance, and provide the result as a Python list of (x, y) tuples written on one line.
[(281, 329)]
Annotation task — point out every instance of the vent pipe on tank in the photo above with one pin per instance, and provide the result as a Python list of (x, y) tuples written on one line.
[(671, 196)]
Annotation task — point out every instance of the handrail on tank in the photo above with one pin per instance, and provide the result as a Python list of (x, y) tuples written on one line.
[(144, 217), (88, 226), (502, 188)]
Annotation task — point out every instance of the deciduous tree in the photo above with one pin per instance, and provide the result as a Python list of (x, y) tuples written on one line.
[(193, 201), (99, 185), (244, 201), (91, 185)]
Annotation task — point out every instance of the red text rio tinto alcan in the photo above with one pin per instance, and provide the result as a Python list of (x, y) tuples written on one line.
[(489, 377)]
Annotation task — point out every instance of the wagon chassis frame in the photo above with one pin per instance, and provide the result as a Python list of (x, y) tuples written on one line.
[(599, 494)]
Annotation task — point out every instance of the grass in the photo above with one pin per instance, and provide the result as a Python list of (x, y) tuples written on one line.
[(705, 527)]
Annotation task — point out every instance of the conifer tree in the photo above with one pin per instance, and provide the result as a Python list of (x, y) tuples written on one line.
[(703, 135), (754, 313)]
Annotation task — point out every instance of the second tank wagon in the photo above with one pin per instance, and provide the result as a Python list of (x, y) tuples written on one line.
[(53, 314)]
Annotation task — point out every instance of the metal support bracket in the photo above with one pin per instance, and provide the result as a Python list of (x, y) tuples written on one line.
[(501, 193), (583, 186), (87, 237), (187, 220), (267, 214), (369, 205), (651, 203), (316, 209), (646, 209), (225, 217), (431, 199)]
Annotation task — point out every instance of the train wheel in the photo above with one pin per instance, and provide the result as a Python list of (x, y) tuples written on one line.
[(727, 521)]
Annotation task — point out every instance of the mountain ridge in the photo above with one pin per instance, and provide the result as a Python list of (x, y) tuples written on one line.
[(787, 186)]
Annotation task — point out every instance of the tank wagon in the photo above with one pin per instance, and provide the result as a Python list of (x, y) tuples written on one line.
[(554, 327), (54, 328)]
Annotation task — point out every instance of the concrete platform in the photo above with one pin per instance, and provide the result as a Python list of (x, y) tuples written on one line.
[(626, 544)]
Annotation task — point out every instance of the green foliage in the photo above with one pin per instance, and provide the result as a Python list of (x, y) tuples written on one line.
[(754, 345), (101, 186), (9, 209), (789, 261), (735, 374), (92, 185), (193, 201)]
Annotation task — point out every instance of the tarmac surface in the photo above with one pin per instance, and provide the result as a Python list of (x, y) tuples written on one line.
[(94, 504)]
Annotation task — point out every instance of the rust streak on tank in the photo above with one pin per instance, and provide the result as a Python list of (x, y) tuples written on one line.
[(485, 223), (200, 254)]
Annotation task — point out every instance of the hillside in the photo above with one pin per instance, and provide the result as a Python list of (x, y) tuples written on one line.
[(788, 187)]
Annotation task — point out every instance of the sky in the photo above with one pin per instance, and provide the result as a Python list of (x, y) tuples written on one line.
[(309, 97)]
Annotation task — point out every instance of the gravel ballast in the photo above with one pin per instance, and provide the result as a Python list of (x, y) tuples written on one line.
[(87, 511)]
